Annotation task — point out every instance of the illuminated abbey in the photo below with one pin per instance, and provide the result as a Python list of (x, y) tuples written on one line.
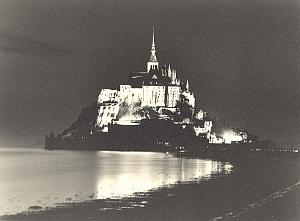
[(158, 88), (157, 93), (151, 111)]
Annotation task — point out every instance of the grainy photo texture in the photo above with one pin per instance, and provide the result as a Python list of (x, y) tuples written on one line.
[(155, 110)]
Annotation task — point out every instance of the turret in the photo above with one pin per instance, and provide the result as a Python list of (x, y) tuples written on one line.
[(187, 86), (169, 71), (173, 77)]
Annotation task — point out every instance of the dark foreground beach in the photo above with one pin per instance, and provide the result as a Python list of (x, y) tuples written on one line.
[(259, 188)]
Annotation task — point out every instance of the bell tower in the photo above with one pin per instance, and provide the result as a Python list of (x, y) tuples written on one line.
[(152, 63)]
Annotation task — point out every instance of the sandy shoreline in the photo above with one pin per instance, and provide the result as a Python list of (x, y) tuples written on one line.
[(271, 207), (257, 190)]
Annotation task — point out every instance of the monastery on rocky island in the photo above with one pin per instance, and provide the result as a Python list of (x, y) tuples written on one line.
[(153, 111), (159, 91), (158, 88)]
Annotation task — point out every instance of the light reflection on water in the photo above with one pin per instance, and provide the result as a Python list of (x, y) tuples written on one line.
[(34, 177)]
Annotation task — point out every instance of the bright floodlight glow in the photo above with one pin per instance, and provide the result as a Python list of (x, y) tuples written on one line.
[(230, 136)]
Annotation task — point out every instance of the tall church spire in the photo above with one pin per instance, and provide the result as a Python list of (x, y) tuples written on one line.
[(153, 42), (153, 51), (153, 62)]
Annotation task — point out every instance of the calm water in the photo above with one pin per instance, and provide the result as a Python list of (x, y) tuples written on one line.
[(36, 177)]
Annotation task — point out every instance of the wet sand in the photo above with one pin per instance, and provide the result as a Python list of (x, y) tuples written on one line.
[(284, 208), (258, 189)]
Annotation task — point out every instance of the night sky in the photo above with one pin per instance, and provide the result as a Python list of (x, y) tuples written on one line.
[(241, 57)]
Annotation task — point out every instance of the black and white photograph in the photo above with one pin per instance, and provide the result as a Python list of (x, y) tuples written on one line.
[(149, 110)]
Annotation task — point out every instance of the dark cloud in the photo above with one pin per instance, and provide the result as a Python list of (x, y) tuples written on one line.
[(15, 43), (242, 59)]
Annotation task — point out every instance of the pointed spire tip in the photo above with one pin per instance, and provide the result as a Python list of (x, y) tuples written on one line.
[(153, 38)]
